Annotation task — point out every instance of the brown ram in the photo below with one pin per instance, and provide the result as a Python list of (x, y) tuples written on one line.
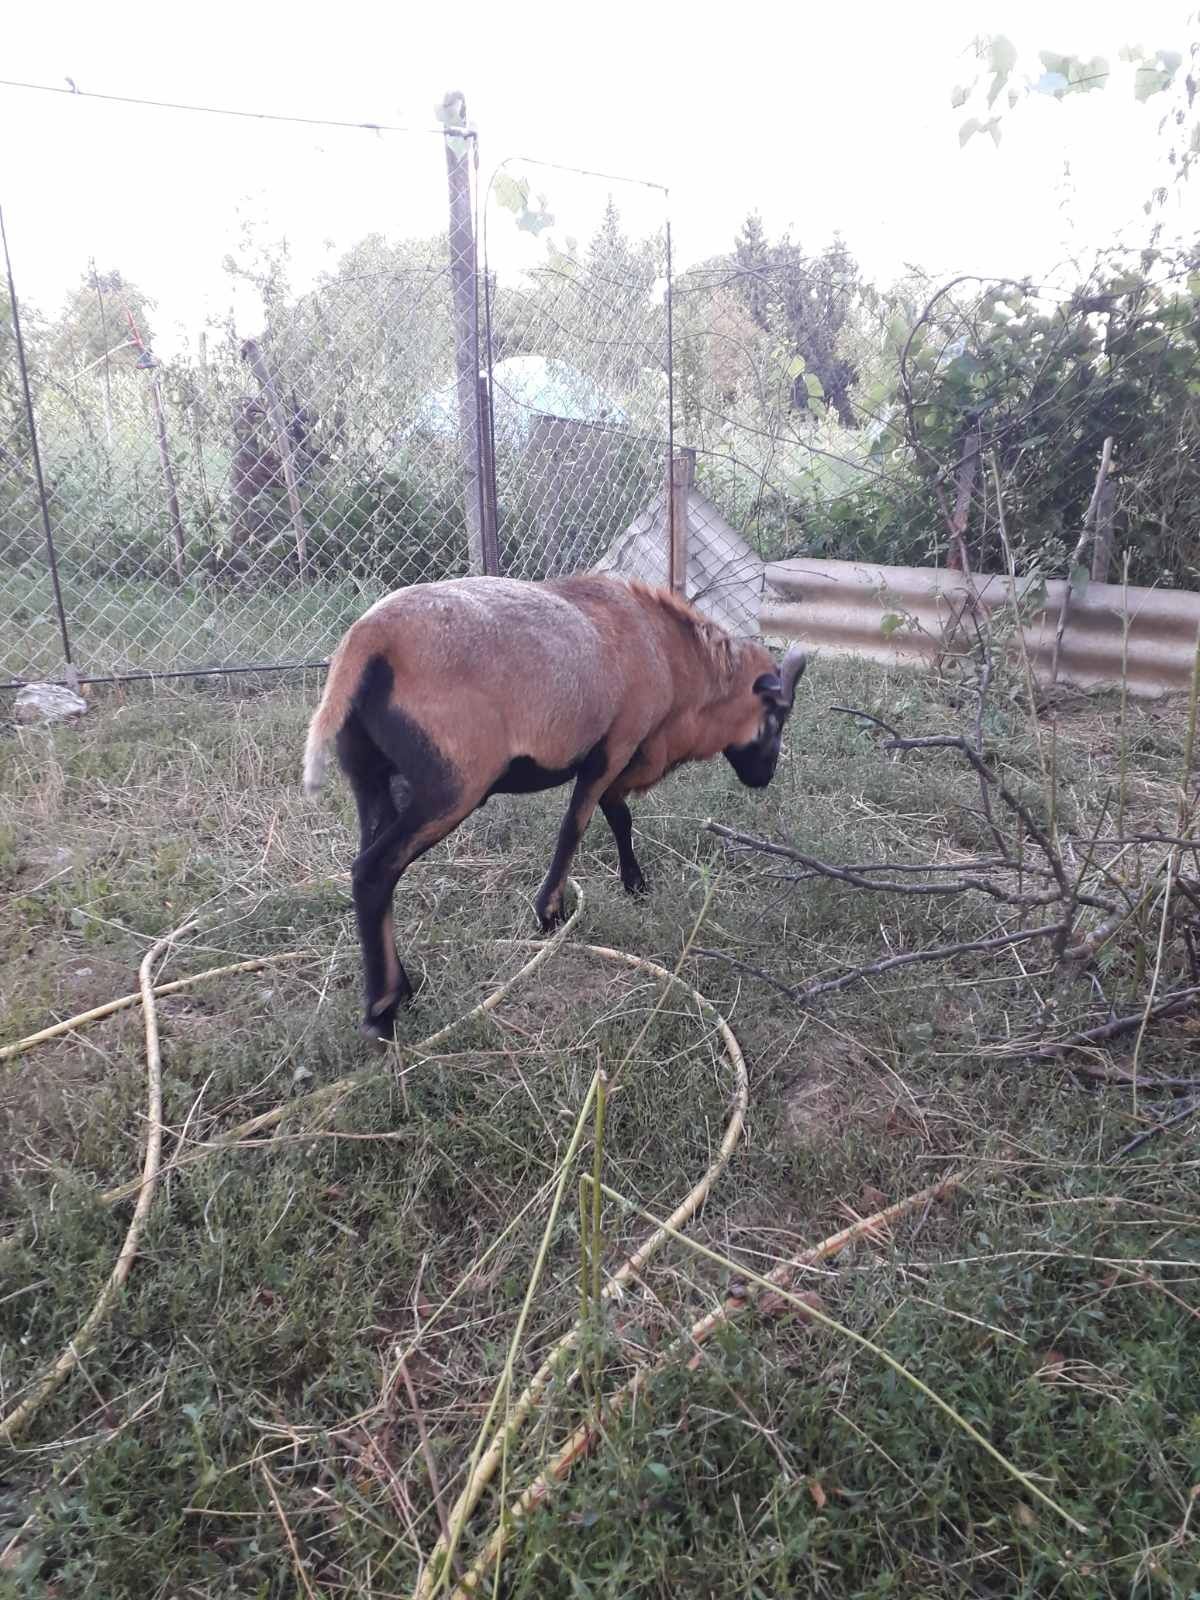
[(446, 693)]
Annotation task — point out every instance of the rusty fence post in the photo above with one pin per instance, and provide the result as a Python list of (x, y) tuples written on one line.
[(683, 477)]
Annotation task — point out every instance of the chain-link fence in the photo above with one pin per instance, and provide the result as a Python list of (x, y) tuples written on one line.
[(577, 316), (232, 494), (241, 448), (762, 393)]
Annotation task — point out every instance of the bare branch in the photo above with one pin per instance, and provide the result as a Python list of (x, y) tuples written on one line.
[(858, 877), (1171, 1005), (1187, 1111), (801, 995)]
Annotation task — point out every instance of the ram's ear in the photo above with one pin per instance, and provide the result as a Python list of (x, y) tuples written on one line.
[(769, 686)]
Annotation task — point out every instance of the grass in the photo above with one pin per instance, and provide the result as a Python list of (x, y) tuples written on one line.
[(239, 1429), (143, 624)]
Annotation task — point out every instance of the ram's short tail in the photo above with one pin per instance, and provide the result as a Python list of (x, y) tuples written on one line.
[(345, 671)]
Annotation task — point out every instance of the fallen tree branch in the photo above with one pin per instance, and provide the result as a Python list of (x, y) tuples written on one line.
[(1189, 1110), (809, 991), (858, 877), (1171, 1005), (69, 1024)]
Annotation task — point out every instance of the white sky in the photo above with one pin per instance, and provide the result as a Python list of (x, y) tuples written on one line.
[(823, 118)]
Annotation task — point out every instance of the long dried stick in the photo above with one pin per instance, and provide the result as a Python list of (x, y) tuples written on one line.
[(587, 1433), (126, 1000), (485, 1463), (19, 1418)]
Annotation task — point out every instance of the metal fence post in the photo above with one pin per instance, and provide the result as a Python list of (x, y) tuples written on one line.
[(487, 484), (72, 672), (465, 288)]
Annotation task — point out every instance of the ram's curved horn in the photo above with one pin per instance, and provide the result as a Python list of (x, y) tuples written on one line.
[(790, 673)]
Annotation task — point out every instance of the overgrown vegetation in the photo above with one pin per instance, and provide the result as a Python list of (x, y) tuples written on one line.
[(243, 1426)]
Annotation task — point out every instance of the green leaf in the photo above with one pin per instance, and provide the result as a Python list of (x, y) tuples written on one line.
[(889, 623), (1056, 63), (959, 97), (970, 126), (963, 366), (1131, 53), (814, 386), (795, 367), (1079, 580), (1002, 55), (1090, 75), (1053, 83), (1149, 81), (511, 193)]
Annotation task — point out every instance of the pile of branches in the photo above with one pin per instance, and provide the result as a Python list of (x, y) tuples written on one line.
[(1076, 903)]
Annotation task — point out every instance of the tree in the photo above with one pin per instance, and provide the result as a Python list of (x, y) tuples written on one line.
[(19, 535), (94, 323), (615, 296), (614, 262), (804, 302), (752, 253)]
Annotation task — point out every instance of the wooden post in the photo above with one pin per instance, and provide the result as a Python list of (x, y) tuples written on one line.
[(683, 476), (1106, 506), (1076, 562), (957, 557), (490, 530), (466, 320), (164, 461), (148, 365), (283, 444)]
